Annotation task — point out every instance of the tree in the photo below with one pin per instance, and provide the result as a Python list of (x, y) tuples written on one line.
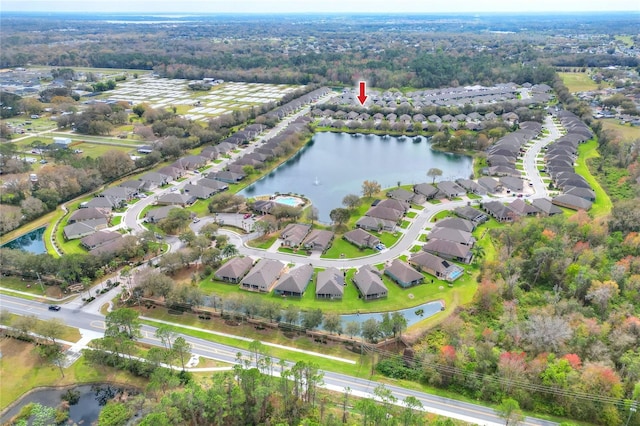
[(351, 201), (352, 328), (311, 318), (51, 329), (52, 354), (292, 314), (509, 410), (312, 214), (32, 207), (182, 349), (333, 323), (434, 173), (166, 336), (114, 414), (340, 216), (113, 164), (547, 332), (370, 188), (411, 404), (123, 320), (601, 292), (176, 220), (371, 330)]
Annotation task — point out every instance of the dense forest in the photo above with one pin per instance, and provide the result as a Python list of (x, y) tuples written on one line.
[(419, 51), (555, 325)]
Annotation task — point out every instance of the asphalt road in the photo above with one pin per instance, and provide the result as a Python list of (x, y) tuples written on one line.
[(210, 349)]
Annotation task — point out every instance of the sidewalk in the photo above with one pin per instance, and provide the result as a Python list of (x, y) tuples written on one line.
[(273, 345)]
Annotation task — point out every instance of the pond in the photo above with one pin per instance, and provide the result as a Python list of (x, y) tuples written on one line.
[(333, 165), (32, 242), (412, 315), (85, 411)]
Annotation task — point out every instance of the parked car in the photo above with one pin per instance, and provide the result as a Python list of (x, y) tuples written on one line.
[(380, 247), (247, 216), (54, 308), (196, 219)]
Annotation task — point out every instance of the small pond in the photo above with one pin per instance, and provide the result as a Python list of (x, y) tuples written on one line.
[(32, 242), (86, 411), (412, 315)]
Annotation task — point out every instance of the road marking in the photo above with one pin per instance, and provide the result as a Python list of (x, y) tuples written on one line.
[(100, 325)]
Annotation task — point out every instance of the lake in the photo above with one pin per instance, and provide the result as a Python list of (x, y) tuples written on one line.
[(32, 242), (333, 165)]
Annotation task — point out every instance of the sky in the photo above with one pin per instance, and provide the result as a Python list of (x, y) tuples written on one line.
[(317, 6)]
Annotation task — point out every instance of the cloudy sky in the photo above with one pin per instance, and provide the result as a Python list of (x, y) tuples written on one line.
[(305, 6)]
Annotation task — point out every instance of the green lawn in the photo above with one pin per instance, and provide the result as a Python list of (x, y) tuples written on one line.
[(405, 224), (473, 196), (411, 215), (340, 246), (116, 220), (442, 215), (602, 206), (263, 242), (578, 81)]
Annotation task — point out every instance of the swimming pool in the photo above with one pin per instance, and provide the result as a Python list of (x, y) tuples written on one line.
[(289, 201)]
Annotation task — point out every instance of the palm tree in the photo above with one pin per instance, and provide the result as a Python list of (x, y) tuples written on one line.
[(229, 250), (478, 252)]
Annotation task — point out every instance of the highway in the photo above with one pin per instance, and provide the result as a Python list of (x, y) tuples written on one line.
[(210, 349)]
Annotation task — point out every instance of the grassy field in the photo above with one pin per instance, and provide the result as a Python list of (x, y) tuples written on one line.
[(578, 81), (602, 206), (70, 334), (628, 132), (22, 370)]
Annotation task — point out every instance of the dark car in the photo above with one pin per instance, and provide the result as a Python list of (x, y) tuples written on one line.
[(54, 308)]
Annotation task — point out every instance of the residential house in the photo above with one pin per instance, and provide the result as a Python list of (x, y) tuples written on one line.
[(469, 213), (135, 184), (395, 204), (118, 192), (490, 184), (318, 240), (226, 176), (522, 209), (263, 206), (436, 266), (234, 270), (512, 183), (263, 276), (216, 185), (295, 282), (403, 274), (451, 234), (426, 190), (449, 250), (173, 172), (369, 283), (199, 191), (450, 189), (294, 234), (545, 207), (572, 202), (361, 238), (190, 162), (90, 213), (401, 195), (385, 213), (156, 215), (105, 204), (586, 193), (330, 284), (176, 199), (456, 223), (78, 230), (471, 186), (375, 224), (155, 180), (499, 211), (97, 239)]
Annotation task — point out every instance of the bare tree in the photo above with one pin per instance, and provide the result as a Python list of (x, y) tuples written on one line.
[(547, 332)]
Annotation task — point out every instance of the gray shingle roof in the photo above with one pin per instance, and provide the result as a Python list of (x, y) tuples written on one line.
[(263, 274), (403, 271), (296, 280), (235, 268), (330, 281), (369, 282)]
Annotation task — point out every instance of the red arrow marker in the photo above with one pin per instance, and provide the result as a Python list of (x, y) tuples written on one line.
[(362, 97)]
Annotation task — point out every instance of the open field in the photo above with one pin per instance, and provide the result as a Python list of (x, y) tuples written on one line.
[(23, 369), (627, 131), (578, 81)]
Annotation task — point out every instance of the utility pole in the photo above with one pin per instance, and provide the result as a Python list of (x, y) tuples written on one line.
[(41, 285)]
